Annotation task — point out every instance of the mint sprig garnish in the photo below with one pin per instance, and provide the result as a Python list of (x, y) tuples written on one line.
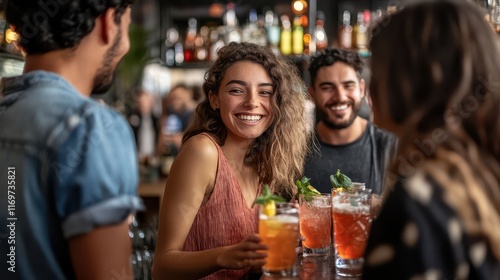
[(340, 180), (304, 187), (266, 196)]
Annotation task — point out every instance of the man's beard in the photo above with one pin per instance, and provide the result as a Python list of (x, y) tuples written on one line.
[(324, 117), (104, 78)]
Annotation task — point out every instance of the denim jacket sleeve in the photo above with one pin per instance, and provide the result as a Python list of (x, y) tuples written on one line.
[(93, 170)]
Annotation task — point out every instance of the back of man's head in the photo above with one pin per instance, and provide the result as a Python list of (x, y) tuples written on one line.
[(328, 57), (46, 26)]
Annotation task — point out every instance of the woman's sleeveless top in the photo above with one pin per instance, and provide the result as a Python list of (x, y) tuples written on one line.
[(225, 219)]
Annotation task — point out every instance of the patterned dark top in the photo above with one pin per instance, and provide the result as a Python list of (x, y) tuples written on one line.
[(418, 235)]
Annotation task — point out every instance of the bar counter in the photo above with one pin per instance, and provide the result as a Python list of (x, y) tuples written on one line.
[(315, 268)]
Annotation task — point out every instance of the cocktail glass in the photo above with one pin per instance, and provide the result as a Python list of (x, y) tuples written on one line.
[(351, 226), (280, 233), (316, 224), (356, 187)]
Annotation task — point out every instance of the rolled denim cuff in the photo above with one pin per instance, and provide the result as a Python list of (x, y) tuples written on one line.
[(108, 212)]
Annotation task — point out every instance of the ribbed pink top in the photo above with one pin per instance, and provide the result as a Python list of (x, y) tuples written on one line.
[(225, 219)]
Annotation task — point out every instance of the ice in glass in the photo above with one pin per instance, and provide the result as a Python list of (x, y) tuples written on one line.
[(316, 224), (351, 225), (281, 233)]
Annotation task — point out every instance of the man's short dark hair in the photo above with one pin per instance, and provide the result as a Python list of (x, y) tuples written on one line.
[(50, 25), (328, 57)]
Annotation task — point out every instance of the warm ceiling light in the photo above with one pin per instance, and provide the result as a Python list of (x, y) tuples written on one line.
[(299, 6), (11, 36), (216, 10)]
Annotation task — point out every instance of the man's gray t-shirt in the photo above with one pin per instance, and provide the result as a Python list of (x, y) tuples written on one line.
[(363, 160)]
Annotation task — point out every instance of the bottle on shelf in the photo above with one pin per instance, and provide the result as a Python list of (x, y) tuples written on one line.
[(297, 37), (252, 32), (359, 39), (320, 37), (201, 44), (233, 33), (367, 17), (217, 42), (179, 53), (345, 31), (273, 30), (261, 34), (189, 45), (172, 37), (307, 44), (286, 36)]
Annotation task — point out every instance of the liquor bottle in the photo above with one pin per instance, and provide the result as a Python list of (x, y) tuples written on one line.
[(189, 42), (179, 53), (261, 35), (286, 36), (273, 30), (217, 42), (201, 44), (250, 28), (320, 37), (307, 44), (172, 38), (367, 16), (345, 31), (233, 33), (359, 39), (254, 31), (297, 37)]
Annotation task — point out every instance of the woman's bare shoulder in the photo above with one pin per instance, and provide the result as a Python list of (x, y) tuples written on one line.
[(202, 146)]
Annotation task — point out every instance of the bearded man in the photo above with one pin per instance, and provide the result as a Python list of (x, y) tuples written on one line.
[(68, 161), (346, 140)]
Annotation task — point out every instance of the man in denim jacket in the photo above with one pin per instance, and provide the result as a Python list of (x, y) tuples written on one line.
[(68, 169)]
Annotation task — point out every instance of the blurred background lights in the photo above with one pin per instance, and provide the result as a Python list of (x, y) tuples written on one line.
[(299, 6), (11, 36)]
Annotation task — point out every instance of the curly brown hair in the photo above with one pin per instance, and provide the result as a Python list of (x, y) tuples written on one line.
[(278, 154)]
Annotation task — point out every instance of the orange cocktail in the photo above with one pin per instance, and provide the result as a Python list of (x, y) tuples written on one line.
[(316, 223), (281, 233), (351, 226), (351, 231)]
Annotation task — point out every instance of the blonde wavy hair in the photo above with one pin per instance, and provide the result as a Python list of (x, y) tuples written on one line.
[(438, 79), (278, 154)]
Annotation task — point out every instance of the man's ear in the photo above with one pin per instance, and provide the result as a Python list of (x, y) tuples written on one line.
[(362, 88), (109, 28)]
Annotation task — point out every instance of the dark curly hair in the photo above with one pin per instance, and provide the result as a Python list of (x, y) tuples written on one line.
[(328, 57), (57, 24)]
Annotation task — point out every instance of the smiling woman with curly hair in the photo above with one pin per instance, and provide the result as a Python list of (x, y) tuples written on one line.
[(250, 130)]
